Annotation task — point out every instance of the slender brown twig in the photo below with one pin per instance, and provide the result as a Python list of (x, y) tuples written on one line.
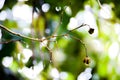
[(81, 43), (17, 34), (48, 38), (5, 42), (99, 3), (79, 27), (37, 39), (51, 59)]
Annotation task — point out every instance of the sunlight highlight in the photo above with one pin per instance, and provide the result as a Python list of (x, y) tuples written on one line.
[(27, 53), (105, 11), (7, 61), (26, 30), (86, 75), (113, 50), (3, 15), (58, 8), (63, 75), (89, 19), (68, 10), (72, 24), (32, 73), (2, 3), (22, 12), (45, 7), (59, 56), (84, 17), (54, 73)]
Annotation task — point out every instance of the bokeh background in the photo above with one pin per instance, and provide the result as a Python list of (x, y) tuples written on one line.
[(30, 60)]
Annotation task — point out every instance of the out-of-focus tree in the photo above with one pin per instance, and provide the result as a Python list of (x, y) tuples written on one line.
[(59, 39)]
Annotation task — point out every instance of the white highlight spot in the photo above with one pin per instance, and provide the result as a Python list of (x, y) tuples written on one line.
[(58, 8), (113, 50), (85, 17), (32, 73), (22, 12), (7, 61), (27, 54), (59, 56), (97, 45), (68, 10), (72, 24), (3, 15), (47, 31), (54, 73), (63, 75), (2, 3), (26, 30), (117, 28), (45, 7), (86, 75), (105, 11)]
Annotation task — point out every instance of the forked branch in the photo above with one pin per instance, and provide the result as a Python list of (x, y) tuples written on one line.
[(91, 30), (41, 40)]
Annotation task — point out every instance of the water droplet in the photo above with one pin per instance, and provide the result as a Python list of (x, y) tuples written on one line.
[(58, 8)]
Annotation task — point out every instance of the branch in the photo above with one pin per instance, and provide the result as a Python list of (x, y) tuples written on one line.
[(20, 35), (5, 42), (81, 43), (79, 27), (51, 56), (91, 30), (99, 3), (37, 39)]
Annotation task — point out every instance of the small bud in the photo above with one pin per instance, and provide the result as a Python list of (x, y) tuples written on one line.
[(91, 31), (86, 60)]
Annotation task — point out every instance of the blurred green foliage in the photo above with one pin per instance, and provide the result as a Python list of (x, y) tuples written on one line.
[(68, 53)]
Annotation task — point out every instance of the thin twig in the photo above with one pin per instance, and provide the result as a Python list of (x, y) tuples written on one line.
[(79, 27), (47, 38), (37, 39), (41, 40), (32, 33), (20, 35), (51, 60), (99, 3), (5, 42), (81, 43)]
